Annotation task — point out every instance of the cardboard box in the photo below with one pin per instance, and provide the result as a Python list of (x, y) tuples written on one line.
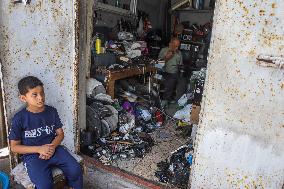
[(194, 116)]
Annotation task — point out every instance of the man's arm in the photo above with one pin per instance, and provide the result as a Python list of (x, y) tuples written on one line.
[(17, 147), (166, 54), (169, 55), (162, 54)]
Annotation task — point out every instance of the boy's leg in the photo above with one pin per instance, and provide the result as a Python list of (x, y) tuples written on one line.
[(39, 173), (70, 167)]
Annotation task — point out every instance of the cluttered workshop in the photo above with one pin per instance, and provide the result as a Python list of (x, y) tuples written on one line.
[(145, 85)]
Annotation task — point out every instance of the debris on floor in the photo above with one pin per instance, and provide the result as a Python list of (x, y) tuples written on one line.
[(192, 97), (184, 113), (176, 169), (125, 137), (135, 135)]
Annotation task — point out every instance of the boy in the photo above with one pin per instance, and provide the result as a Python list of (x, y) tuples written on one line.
[(37, 133)]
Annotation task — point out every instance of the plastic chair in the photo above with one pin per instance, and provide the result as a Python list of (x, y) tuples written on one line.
[(4, 180)]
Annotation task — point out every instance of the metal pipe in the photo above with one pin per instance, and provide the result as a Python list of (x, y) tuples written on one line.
[(135, 7)]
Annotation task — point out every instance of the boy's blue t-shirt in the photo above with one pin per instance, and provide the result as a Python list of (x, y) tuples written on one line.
[(35, 129)]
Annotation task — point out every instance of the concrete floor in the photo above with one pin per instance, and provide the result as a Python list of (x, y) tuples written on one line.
[(94, 178), (100, 179)]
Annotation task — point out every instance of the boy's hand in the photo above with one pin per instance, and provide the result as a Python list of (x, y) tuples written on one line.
[(43, 157), (46, 151), (52, 148)]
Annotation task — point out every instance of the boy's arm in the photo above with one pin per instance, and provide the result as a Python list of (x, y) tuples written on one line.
[(59, 137), (17, 147), (57, 141)]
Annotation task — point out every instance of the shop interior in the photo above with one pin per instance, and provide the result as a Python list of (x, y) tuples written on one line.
[(127, 124)]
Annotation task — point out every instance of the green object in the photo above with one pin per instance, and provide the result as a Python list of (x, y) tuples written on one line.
[(171, 66), (116, 105)]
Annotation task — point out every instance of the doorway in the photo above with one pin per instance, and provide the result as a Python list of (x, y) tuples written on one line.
[(114, 147)]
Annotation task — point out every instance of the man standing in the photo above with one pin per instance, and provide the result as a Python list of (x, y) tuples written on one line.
[(173, 59)]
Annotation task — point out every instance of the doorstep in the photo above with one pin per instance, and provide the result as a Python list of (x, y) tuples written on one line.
[(131, 180)]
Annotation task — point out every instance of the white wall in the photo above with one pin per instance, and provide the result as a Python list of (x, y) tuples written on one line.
[(39, 39), (240, 137)]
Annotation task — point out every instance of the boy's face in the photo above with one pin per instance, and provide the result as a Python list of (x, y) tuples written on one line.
[(34, 98)]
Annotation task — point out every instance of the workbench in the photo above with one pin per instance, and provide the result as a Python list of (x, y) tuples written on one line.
[(114, 75)]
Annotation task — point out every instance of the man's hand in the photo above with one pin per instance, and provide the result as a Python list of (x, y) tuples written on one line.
[(46, 151), (169, 55)]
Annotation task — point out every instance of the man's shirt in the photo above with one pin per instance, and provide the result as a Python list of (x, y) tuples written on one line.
[(171, 66)]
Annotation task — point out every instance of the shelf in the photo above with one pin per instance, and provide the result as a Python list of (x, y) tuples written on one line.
[(112, 9), (192, 42), (196, 10)]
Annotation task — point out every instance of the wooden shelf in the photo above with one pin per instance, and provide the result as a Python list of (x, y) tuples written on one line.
[(114, 75), (112, 9)]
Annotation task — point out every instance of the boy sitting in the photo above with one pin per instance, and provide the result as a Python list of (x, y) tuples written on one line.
[(37, 133)]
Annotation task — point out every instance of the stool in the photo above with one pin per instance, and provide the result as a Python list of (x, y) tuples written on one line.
[(20, 175)]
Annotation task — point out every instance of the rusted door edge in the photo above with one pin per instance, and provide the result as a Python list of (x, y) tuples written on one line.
[(121, 173), (13, 159), (76, 126), (3, 130)]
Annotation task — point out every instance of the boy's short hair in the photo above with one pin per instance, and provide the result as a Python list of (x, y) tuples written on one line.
[(27, 83)]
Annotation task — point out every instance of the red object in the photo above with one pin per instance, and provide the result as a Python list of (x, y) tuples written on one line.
[(159, 116)]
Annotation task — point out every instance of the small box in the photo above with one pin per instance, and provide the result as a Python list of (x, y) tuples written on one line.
[(194, 116)]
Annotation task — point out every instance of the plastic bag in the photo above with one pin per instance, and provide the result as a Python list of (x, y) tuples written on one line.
[(183, 100), (184, 114)]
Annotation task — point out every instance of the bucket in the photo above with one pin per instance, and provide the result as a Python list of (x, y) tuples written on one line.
[(4, 180)]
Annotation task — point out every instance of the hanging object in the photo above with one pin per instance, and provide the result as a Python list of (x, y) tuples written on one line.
[(198, 4), (179, 3), (117, 3)]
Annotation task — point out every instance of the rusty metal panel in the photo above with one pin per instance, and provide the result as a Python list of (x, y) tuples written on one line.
[(3, 133), (41, 39), (240, 137)]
